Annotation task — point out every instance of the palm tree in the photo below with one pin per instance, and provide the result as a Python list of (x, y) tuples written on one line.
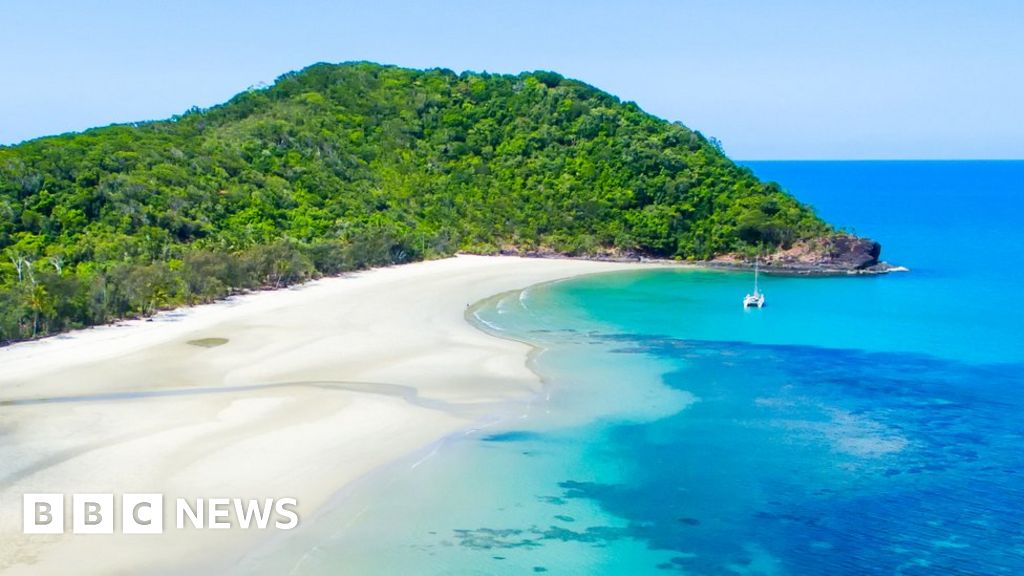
[(41, 304)]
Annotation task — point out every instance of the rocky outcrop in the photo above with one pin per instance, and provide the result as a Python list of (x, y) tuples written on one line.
[(835, 254), (838, 252)]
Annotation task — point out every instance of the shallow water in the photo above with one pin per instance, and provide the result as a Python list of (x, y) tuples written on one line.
[(854, 426)]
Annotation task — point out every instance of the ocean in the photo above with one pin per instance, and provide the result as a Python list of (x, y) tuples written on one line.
[(855, 425)]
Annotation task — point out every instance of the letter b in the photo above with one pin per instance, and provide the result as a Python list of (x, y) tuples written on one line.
[(92, 513), (43, 514)]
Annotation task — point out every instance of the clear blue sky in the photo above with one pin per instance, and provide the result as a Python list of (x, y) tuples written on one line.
[(770, 79)]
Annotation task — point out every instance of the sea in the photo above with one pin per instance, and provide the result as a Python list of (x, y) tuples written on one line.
[(854, 426)]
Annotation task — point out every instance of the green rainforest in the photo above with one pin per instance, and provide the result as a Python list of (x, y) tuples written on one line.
[(348, 166)]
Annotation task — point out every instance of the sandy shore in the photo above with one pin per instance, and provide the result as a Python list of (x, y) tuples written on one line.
[(291, 393)]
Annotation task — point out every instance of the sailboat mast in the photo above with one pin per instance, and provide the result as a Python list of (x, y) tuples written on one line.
[(756, 262)]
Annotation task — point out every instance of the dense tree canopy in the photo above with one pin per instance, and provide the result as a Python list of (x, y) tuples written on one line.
[(339, 167)]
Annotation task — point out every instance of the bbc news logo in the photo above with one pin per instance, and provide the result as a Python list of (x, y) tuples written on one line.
[(144, 513)]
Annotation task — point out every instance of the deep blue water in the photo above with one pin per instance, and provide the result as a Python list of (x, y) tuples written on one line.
[(853, 426)]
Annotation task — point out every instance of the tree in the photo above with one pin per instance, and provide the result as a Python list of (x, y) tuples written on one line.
[(341, 167), (41, 305)]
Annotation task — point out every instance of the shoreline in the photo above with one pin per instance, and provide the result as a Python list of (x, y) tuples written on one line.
[(325, 382), (721, 264), (728, 265)]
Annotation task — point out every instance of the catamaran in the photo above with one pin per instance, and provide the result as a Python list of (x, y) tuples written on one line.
[(755, 299)]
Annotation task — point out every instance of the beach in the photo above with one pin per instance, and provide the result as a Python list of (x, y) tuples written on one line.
[(288, 393)]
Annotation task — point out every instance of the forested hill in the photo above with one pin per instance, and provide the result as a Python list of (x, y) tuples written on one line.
[(338, 167)]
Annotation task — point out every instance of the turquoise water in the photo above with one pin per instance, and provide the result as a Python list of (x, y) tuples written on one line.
[(853, 426)]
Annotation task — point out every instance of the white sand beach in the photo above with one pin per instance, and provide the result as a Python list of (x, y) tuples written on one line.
[(289, 393)]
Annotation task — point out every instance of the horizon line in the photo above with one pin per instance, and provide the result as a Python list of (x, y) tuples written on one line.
[(877, 159)]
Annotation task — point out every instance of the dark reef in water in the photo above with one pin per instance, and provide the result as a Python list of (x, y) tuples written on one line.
[(906, 465)]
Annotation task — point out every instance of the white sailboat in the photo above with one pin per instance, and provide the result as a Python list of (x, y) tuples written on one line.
[(757, 298)]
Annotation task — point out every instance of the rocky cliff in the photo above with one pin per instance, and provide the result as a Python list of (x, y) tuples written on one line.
[(826, 255)]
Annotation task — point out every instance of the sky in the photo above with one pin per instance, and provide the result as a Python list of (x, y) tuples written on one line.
[(796, 79)]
